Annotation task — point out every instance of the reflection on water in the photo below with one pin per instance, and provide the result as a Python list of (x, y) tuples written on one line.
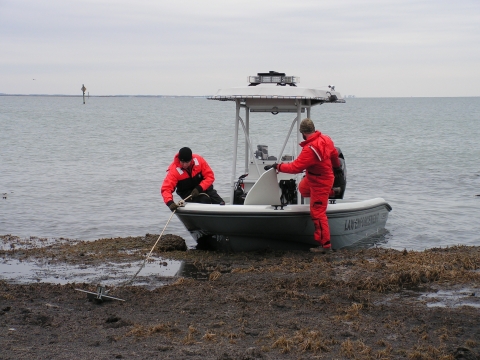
[(453, 298), (155, 273), (377, 240)]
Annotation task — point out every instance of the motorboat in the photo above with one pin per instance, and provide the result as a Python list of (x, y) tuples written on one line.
[(265, 210)]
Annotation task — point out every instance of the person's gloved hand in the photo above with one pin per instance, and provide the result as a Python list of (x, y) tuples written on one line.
[(195, 193), (173, 206), (268, 167)]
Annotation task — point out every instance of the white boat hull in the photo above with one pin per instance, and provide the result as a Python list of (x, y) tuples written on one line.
[(255, 227)]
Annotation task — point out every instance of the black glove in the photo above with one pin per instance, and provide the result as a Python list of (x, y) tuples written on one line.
[(173, 206), (195, 192), (268, 167)]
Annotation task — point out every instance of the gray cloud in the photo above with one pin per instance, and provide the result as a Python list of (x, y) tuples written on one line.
[(369, 48)]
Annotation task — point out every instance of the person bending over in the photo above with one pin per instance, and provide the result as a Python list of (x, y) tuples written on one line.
[(191, 175)]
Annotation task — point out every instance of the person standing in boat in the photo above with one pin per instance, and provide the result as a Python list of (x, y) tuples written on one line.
[(319, 158), (191, 175)]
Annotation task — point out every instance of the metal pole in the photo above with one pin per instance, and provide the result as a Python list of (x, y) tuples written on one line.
[(83, 90), (299, 139), (286, 140), (235, 144), (247, 130), (299, 176), (250, 145)]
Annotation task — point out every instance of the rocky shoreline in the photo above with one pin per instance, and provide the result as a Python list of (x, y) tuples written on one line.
[(352, 304)]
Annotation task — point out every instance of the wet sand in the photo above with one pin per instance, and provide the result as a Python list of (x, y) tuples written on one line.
[(352, 304)]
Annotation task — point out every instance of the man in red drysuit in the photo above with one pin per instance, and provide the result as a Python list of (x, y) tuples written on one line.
[(319, 158), (191, 175)]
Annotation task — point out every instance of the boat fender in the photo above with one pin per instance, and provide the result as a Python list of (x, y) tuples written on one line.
[(180, 171)]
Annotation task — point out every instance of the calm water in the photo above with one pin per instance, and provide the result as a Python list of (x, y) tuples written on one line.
[(92, 171)]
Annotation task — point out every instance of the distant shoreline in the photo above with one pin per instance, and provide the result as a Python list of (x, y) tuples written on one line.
[(158, 96), (206, 96)]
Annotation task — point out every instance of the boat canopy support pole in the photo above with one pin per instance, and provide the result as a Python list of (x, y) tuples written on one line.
[(299, 176), (235, 144), (286, 139), (247, 133), (247, 138)]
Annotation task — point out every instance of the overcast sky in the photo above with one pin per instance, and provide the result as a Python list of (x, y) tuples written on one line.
[(366, 48)]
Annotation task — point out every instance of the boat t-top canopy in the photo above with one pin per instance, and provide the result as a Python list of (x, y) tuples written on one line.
[(264, 97), (272, 92)]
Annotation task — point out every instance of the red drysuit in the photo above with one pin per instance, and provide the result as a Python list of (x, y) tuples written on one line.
[(318, 156), (201, 177)]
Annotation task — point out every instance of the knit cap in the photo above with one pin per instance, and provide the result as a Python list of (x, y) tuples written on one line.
[(185, 154)]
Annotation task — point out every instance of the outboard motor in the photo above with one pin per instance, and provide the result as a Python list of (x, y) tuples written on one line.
[(262, 152), (340, 183)]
